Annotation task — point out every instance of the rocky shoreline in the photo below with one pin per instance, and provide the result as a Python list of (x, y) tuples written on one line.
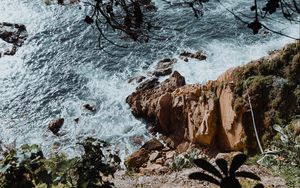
[(216, 117)]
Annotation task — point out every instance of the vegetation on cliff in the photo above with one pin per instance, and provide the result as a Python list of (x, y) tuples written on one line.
[(28, 167), (273, 84)]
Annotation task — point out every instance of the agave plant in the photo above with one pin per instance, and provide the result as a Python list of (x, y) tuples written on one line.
[(227, 178)]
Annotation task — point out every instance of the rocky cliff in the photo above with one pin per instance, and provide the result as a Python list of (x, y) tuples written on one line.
[(218, 112)]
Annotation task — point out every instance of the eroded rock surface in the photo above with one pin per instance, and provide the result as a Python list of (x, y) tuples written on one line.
[(218, 112), (141, 156)]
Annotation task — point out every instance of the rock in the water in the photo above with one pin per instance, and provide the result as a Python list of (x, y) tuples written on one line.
[(197, 55), (76, 120), (138, 79), (55, 125), (61, 2), (89, 107), (162, 72), (165, 63), (14, 34)]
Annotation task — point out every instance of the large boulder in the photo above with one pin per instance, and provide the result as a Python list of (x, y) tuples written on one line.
[(141, 156)]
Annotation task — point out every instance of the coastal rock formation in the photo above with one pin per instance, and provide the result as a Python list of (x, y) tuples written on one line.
[(218, 112), (14, 34)]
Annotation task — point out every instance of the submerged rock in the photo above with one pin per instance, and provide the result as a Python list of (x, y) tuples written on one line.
[(55, 125)]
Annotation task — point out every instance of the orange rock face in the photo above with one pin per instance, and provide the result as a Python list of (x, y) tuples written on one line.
[(181, 112), (218, 112)]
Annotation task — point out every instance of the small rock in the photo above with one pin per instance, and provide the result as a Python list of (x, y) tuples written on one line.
[(162, 72), (197, 55), (76, 120), (166, 149), (89, 107), (55, 125), (154, 156), (12, 51), (60, 2), (153, 145), (170, 142), (227, 156), (183, 147), (55, 145), (170, 154), (160, 161), (138, 79), (152, 168), (165, 63), (148, 84), (15, 34), (136, 140)]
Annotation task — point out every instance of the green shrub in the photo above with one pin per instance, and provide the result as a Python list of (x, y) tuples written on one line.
[(27, 167)]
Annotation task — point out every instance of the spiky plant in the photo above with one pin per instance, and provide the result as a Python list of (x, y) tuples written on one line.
[(229, 177)]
